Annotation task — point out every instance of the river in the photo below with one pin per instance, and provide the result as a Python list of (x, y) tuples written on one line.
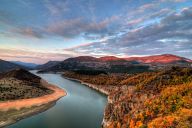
[(81, 108)]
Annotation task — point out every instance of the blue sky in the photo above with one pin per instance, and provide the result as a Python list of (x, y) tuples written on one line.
[(42, 30)]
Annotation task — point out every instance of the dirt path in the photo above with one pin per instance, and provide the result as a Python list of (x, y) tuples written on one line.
[(27, 103)]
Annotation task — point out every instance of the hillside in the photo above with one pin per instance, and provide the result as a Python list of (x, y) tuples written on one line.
[(162, 59), (7, 66), (25, 64), (47, 65), (152, 99), (21, 84), (110, 58), (112, 64)]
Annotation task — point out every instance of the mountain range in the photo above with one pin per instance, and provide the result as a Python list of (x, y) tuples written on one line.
[(107, 63), (162, 59), (7, 66), (114, 64), (25, 64), (47, 65)]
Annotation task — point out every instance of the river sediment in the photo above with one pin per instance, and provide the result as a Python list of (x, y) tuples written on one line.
[(15, 110)]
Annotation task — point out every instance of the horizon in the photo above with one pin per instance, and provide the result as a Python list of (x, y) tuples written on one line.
[(55, 31), (95, 57)]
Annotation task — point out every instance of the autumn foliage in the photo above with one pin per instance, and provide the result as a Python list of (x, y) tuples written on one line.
[(161, 99)]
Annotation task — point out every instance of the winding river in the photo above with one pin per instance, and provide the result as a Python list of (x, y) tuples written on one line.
[(81, 108)]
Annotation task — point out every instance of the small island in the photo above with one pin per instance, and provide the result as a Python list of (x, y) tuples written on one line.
[(24, 94)]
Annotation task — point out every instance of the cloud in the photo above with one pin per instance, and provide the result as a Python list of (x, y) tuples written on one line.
[(31, 56), (76, 27), (171, 35), (30, 32), (176, 1), (119, 29), (56, 8), (147, 6)]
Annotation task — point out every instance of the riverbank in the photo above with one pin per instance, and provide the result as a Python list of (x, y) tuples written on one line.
[(103, 91), (19, 109), (145, 99), (95, 87), (13, 116)]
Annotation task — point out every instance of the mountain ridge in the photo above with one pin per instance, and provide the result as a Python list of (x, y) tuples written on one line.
[(7, 66), (116, 64), (25, 64), (164, 58)]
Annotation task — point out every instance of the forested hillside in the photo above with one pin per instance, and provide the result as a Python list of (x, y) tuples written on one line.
[(145, 100)]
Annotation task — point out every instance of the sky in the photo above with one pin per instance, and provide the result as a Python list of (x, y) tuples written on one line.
[(41, 30)]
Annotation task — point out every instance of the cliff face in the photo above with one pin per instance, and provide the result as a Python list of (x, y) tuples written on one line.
[(145, 99)]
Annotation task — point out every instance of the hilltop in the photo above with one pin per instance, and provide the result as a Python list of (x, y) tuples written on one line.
[(21, 84), (91, 63), (7, 66), (161, 59), (47, 65)]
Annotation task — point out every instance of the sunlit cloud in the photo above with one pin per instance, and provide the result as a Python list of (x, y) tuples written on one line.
[(39, 31)]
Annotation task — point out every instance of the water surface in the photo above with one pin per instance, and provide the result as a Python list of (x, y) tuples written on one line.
[(81, 108)]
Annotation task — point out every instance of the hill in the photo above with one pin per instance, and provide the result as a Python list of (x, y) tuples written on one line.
[(7, 66), (21, 84), (24, 64), (110, 58), (162, 59), (21, 74), (112, 64), (106, 64), (150, 99), (47, 65)]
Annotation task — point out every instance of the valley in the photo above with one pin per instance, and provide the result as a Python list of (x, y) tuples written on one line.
[(137, 90), (95, 63)]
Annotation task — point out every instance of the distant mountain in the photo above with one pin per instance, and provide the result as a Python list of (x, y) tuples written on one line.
[(47, 65), (107, 64), (111, 58), (7, 66), (82, 59), (28, 65), (114, 64), (162, 59)]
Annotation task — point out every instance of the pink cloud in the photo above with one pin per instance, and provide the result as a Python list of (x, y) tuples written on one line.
[(30, 56)]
